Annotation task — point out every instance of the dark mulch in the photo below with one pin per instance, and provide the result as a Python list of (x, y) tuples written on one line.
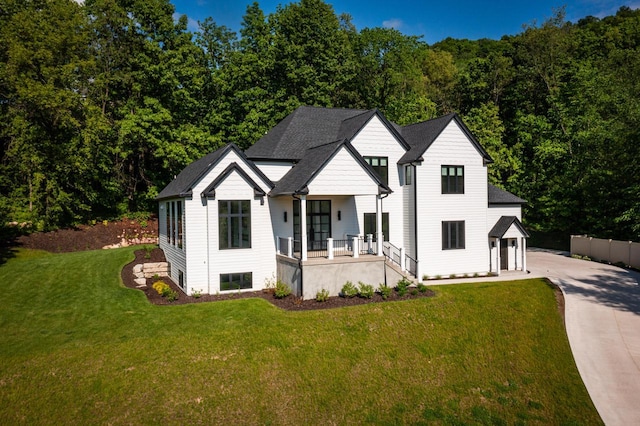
[(89, 237), (290, 303)]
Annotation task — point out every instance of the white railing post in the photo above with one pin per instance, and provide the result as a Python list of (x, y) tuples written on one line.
[(330, 248), (356, 246), (277, 245), (369, 243), (290, 246), (403, 262)]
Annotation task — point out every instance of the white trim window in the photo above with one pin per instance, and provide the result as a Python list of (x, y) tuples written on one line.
[(453, 235)]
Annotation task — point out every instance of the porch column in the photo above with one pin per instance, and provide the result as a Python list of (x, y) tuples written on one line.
[(524, 254), (330, 248), (403, 262), (379, 237), (290, 247), (303, 227), (356, 246), (498, 260)]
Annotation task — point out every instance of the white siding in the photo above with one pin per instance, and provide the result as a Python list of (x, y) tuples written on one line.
[(376, 140), (174, 255), (452, 148), (343, 175), (205, 262), (274, 170), (494, 213)]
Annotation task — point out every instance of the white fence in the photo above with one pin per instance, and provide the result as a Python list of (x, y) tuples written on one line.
[(611, 251)]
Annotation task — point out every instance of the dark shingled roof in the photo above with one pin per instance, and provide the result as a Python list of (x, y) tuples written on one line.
[(304, 128), (420, 136), (210, 191), (297, 179), (183, 184), (503, 224), (500, 196)]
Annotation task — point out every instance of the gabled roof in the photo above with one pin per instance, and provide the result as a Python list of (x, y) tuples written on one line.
[(210, 191), (296, 181), (500, 196), (420, 136), (182, 185), (503, 224), (309, 127)]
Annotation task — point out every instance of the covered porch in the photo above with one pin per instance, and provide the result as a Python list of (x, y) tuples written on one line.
[(508, 245)]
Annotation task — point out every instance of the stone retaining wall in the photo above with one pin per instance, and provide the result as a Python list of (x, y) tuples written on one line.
[(142, 271)]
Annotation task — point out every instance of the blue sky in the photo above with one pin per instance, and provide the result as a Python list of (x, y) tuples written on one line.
[(434, 20)]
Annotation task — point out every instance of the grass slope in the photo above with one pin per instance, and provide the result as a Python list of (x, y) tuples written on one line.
[(79, 348)]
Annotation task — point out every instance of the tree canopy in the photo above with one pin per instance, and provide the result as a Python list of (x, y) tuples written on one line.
[(103, 103)]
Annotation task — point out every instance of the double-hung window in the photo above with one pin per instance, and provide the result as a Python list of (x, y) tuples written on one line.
[(452, 179), (380, 166), (453, 235), (234, 224)]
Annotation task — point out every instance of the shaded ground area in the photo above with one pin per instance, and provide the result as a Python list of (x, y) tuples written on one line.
[(291, 303)]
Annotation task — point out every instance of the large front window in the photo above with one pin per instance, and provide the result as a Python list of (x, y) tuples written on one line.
[(234, 223), (370, 225), (453, 235), (380, 165), (452, 179)]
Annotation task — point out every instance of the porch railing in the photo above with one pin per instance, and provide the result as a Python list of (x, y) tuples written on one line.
[(411, 265), (392, 253)]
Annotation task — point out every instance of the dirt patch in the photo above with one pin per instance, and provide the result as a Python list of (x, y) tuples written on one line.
[(290, 303), (92, 237)]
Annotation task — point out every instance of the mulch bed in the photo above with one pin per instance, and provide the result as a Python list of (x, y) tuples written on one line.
[(290, 302), (89, 237)]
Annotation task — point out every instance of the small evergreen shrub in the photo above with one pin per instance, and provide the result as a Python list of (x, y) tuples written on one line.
[(476, 275), (438, 277), (322, 295), (403, 286), (166, 291), (171, 296), (281, 290), (160, 286), (365, 290), (385, 291), (414, 292), (349, 290), (422, 288)]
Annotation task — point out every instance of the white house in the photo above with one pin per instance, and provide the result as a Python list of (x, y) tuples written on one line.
[(330, 195)]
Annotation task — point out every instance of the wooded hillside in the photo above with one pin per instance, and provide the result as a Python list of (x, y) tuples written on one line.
[(102, 104)]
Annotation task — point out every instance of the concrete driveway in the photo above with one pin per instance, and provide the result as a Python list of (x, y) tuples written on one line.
[(602, 315)]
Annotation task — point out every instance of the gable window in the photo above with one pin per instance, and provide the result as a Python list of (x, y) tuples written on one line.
[(380, 166), (407, 175), (452, 179), (234, 224), (241, 281), (370, 225), (453, 235)]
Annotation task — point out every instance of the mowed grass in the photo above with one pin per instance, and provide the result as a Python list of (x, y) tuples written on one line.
[(79, 348)]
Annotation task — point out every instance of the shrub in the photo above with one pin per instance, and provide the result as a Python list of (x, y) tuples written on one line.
[(160, 286), (147, 251), (365, 290), (403, 286), (349, 290), (438, 277), (270, 284), (414, 292), (476, 275), (452, 276), (422, 288), (322, 295), (425, 277), (196, 293), (281, 290), (171, 295), (166, 292), (385, 291)]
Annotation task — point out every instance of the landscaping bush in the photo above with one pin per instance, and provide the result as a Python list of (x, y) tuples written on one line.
[(196, 293), (171, 295), (281, 290), (322, 295), (349, 290), (385, 291), (403, 286), (365, 290), (422, 288), (161, 287)]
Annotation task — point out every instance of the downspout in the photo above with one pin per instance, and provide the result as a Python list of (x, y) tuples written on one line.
[(300, 258)]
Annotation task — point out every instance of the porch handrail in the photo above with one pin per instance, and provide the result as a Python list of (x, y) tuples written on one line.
[(411, 264), (392, 253)]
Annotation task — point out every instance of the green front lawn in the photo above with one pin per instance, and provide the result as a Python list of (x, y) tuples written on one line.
[(77, 347)]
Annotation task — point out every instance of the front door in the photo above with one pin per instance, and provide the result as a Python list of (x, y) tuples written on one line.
[(504, 254), (318, 223)]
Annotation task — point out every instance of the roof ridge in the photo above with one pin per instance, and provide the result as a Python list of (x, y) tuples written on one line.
[(328, 143), (451, 114)]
